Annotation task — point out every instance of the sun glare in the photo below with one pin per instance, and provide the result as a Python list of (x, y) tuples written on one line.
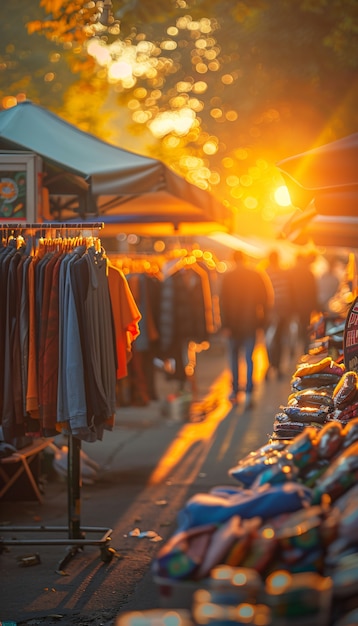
[(120, 70), (144, 66), (282, 196)]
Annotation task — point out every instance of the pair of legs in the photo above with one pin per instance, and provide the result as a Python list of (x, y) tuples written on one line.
[(236, 347), (276, 337)]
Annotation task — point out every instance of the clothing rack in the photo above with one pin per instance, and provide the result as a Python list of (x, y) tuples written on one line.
[(76, 532)]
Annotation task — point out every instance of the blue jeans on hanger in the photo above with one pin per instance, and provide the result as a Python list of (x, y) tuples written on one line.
[(236, 346)]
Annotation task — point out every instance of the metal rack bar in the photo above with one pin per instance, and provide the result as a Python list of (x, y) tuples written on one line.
[(57, 225)]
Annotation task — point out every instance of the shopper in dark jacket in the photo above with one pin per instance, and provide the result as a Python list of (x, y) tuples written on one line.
[(245, 298)]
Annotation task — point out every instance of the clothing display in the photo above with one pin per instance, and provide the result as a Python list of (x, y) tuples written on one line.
[(126, 316), (146, 290), (178, 302), (63, 347), (66, 336)]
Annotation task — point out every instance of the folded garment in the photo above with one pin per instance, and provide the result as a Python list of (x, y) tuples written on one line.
[(329, 440), (346, 390), (306, 414), (264, 502), (311, 397), (249, 469), (180, 557), (233, 531), (341, 475), (350, 433), (320, 379)]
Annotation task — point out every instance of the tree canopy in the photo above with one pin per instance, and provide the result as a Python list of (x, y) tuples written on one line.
[(219, 91)]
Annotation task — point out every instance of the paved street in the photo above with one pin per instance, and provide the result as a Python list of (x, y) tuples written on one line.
[(149, 466)]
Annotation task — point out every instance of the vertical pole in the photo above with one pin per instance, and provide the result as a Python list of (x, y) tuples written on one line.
[(74, 487)]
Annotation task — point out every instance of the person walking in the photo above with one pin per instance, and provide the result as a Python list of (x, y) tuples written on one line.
[(305, 298), (245, 297), (280, 315)]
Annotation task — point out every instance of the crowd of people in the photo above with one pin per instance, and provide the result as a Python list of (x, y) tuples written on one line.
[(269, 302), (280, 300)]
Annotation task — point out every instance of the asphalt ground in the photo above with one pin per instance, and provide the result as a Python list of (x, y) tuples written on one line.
[(155, 458)]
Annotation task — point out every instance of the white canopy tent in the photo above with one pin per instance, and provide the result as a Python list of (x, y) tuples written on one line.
[(102, 176), (326, 176), (323, 183)]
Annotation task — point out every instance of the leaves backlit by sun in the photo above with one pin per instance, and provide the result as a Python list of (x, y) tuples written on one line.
[(126, 62), (208, 96), (171, 113)]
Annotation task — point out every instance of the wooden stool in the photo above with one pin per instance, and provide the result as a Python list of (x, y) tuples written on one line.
[(23, 458)]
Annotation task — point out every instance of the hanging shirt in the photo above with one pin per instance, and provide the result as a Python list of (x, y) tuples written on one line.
[(126, 317), (32, 399), (96, 328), (71, 396)]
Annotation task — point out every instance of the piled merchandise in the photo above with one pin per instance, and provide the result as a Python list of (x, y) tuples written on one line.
[(291, 521), (314, 380), (311, 401), (281, 546)]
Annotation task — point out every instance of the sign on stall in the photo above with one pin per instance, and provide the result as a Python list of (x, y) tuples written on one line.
[(20, 186), (350, 338)]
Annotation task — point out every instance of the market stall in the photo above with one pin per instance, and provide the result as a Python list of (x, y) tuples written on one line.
[(86, 178), (277, 545), (54, 379)]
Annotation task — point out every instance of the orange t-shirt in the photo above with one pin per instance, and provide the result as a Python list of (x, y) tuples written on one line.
[(126, 317)]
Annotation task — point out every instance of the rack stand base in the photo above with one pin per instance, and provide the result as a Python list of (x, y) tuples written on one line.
[(76, 533), (74, 545)]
